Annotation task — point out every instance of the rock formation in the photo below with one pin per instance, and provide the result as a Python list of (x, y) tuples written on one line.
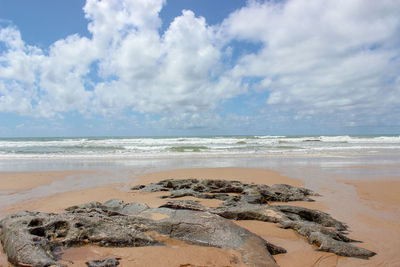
[(29, 238)]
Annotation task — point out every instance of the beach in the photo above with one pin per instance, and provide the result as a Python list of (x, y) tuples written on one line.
[(358, 179), (369, 207), (199, 133)]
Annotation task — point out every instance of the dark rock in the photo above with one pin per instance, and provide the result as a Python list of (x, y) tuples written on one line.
[(138, 187), (206, 229), (300, 213), (250, 203), (108, 262), (124, 208), (30, 237), (285, 193), (90, 205), (246, 211), (112, 207), (220, 189), (328, 240), (312, 224), (328, 244), (184, 205)]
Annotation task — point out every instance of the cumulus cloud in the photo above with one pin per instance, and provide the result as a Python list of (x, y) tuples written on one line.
[(314, 57), (163, 74), (32, 83), (134, 65), (17, 73), (321, 56)]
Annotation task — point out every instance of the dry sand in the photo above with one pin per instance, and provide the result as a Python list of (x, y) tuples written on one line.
[(380, 231)]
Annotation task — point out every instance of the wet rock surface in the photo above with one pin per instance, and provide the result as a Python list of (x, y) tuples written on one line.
[(108, 262), (29, 238), (250, 202), (220, 189)]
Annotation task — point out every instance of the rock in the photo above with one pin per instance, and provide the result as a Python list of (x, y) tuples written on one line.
[(112, 207), (220, 189), (138, 187), (245, 211), (312, 224), (124, 208), (328, 244), (184, 205), (300, 213), (206, 229), (329, 240), (108, 262), (90, 205), (285, 193), (21, 246), (30, 237)]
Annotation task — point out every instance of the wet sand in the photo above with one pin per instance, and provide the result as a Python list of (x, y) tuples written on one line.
[(23, 181), (380, 194), (374, 209)]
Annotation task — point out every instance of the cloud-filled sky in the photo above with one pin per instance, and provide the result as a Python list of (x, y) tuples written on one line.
[(175, 67)]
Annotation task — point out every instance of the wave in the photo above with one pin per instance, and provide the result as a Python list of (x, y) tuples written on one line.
[(210, 145), (27, 142), (290, 147), (188, 148)]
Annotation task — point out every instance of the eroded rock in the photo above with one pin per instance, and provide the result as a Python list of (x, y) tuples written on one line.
[(30, 238), (250, 202), (108, 262), (220, 189), (184, 205), (317, 227)]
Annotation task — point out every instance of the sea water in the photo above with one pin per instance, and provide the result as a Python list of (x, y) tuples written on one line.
[(62, 153), (156, 147)]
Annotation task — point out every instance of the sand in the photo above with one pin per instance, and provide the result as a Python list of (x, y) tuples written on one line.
[(376, 220), (380, 194), (23, 181)]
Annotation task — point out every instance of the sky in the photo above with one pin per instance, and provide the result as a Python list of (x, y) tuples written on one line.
[(191, 67)]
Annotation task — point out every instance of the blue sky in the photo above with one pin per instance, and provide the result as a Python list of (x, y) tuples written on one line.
[(154, 67)]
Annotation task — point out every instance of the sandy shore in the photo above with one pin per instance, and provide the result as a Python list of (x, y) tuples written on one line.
[(374, 207), (380, 194), (24, 181)]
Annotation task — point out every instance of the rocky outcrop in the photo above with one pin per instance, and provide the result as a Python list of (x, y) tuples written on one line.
[(220, 189), (250, 202), (317, 227), (29, 238)]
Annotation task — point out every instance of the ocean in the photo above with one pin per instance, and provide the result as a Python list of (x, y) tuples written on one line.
[(208, 146)]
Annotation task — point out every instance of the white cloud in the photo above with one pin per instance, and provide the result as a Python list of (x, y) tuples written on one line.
[(138, 68), (18, 68), (164, 74), (321, 56), (62, 73), (315, 58)]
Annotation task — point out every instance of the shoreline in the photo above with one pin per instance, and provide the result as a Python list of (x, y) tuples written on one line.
[(300, 253)]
